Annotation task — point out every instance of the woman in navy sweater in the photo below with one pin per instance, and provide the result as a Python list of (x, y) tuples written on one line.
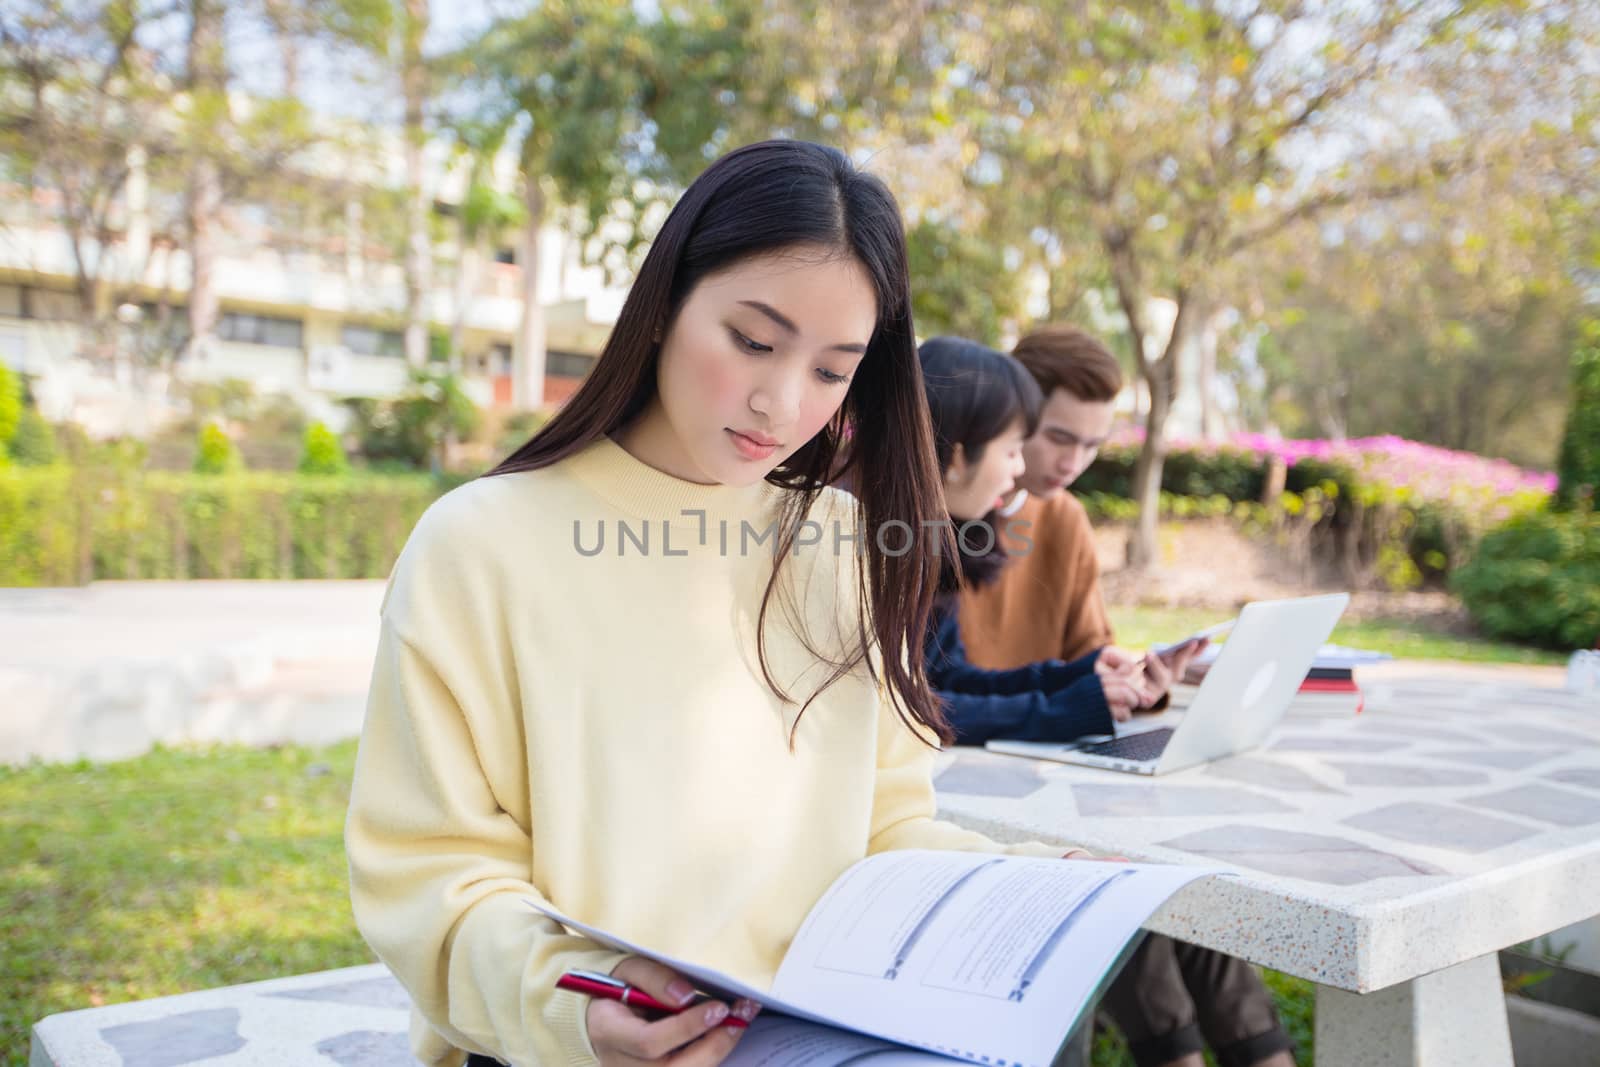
[(984, 405)]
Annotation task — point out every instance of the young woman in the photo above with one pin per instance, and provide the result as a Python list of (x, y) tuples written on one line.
[(653, 671), (984, 406)]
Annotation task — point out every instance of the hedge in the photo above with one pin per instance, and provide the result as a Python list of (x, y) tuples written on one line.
[(1367, 532), (66, 526)]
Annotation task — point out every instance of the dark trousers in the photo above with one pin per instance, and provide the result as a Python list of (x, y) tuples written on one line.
[(1171, 995)]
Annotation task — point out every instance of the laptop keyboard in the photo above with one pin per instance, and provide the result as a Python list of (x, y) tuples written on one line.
[(1140, 747)]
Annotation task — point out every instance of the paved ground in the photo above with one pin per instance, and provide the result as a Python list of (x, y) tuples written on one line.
[(106, 671)]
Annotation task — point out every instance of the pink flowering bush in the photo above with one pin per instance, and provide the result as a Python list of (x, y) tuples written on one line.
[(1386, 508)]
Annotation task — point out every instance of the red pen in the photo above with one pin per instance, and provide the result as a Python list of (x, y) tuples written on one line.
[(595, 984)]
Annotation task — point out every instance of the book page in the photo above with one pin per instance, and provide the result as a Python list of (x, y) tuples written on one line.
[(780, 1041), (986, 958)]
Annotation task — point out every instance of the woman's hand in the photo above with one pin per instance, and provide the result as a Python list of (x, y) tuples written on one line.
[(1123, 697), (1124, 681), (1085, 854), (695, 1037), (1165, 668)]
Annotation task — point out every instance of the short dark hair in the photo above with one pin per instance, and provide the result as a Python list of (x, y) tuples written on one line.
[(974, 394), (1065, 357)]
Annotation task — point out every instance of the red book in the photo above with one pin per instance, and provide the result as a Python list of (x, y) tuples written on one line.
[(1332, 690), (1328, 685)]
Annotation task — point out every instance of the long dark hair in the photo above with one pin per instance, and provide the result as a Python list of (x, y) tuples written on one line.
[(974, 395), (757, 200)]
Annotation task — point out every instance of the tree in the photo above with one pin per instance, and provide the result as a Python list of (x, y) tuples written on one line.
[(484, 214), (613, 107), (85, 132), (210, 115), (245, 151), (1185, 133), (960, 283), (414, 86), (1454, 336)]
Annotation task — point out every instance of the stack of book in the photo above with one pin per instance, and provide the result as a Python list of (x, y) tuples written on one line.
[(1331, 682)]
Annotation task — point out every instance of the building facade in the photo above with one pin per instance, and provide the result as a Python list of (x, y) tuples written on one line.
[(314, 310)]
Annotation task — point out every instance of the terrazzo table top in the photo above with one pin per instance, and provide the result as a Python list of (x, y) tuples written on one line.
[(1446, 821)]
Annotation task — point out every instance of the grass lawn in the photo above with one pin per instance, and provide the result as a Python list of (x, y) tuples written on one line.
[(186, 870), (1141, 627), (172, 872)]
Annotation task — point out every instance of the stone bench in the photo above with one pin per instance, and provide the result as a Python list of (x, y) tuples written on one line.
[(358, 1017), (355, 1017)]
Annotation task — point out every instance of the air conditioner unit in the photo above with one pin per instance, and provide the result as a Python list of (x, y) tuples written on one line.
[(328, 367)]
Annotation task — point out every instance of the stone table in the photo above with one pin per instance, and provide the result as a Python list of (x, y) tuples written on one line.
[(1386, 856)]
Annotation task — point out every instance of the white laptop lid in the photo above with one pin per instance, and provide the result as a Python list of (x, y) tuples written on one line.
[(1254, 679)]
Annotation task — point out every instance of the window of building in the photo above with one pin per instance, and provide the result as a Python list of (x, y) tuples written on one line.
[(261, 330), (567, 364), (55, 305), (499, 361), (371, 341)]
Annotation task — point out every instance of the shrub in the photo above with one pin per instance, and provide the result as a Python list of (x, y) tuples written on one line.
[(517, 430), (10, 408), (216, 452), (1536, 578), (34, 444), (322, 453), (410, 430), (1579, 465), (1378, 509)]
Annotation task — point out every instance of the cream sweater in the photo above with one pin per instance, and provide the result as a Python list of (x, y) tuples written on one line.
[(592, 729)]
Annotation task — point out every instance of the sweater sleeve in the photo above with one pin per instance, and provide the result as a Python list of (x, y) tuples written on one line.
[(1050, 701), (951, 671), (439, 872), (1065, 715)]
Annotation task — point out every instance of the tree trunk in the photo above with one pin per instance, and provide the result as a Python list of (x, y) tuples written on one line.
[(1205, 382), (208, 85), (354, 239), (527, 374), (281, 14), (1162, 377), (473, 252), (1328, 419), (419, 245), (1147, 472)]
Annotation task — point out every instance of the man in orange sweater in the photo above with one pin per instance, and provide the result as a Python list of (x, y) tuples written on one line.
[(1172, 998)]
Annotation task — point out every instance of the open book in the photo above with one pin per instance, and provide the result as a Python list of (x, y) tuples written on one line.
[(918, 956)]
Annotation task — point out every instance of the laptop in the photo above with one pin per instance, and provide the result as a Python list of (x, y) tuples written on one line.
[(1250, 685)]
